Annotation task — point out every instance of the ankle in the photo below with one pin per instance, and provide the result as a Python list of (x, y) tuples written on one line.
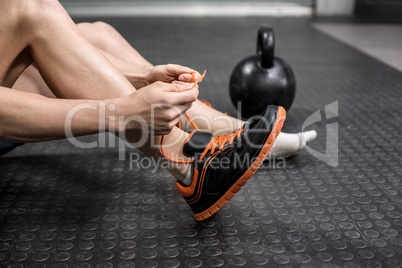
[(171, 151), (180, 171), (171, 145)]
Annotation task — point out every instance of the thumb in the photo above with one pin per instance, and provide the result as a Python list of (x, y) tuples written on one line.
[(189, 77), (176, 70), (182, 73)]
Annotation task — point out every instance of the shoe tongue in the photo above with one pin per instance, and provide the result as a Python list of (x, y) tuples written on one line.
[(196, 142)]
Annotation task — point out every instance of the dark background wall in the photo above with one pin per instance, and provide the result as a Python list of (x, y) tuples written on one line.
[(383, 10)]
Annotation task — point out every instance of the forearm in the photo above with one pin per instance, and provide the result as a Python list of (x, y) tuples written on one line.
[(136, 74), (27, 117)]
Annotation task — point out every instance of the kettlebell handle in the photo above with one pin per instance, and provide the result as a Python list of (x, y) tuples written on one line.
[(266, 46)]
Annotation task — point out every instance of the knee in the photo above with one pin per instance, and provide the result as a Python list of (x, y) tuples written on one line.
[(90, 30), (86, 27), (94, 27), (103, 26), (105, 29), (97, 32)]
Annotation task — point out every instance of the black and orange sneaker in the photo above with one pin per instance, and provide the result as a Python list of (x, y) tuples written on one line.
[(223, 164)]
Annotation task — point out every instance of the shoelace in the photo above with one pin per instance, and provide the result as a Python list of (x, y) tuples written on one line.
[(207, 103), (220, 141), (189, 119)]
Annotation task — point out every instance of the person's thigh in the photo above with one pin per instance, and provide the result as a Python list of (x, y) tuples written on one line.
[(41, 31), (108, 39), (31, 81), (14, 52)]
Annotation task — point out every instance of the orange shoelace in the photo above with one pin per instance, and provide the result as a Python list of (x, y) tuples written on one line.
[(189, 119), (219, 141), (199, 80)]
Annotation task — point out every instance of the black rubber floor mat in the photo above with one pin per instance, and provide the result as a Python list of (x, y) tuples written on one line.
[(62, 206)]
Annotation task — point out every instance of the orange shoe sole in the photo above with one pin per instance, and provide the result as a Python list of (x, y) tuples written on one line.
[(249, 172)]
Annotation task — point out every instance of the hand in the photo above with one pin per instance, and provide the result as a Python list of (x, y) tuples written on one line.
[(160, 107), (171, 72)]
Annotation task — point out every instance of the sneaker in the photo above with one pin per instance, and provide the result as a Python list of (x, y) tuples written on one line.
[(217, 173)]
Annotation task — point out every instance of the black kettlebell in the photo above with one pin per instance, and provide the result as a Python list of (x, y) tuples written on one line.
[(262, 79)]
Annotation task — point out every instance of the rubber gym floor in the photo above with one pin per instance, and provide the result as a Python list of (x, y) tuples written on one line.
[(62, 206)]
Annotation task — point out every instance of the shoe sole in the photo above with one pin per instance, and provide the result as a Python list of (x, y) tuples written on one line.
[(281, 115)]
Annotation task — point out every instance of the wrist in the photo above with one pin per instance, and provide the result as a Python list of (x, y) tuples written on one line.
[(121, 112), (139, 77), (115, 112), (148, 76)]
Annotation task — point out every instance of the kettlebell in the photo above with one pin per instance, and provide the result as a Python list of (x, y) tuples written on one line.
[(262, 79)]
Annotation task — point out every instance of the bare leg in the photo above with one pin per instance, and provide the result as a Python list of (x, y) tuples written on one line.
[(32, 81), (106, 38), (71, 66), (109, 41), (101, 35)]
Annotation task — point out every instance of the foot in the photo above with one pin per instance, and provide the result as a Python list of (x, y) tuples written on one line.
[(288, 144), (223, 164)]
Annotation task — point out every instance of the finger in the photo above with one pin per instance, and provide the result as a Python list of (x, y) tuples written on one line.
[(186, 97), (189, 77), (186, 77), (181, 97), (176, 70), (181, 86), (183, 108), (176, 86)]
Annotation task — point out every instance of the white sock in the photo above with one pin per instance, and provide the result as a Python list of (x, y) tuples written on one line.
[(288, 144), (189, 178)]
